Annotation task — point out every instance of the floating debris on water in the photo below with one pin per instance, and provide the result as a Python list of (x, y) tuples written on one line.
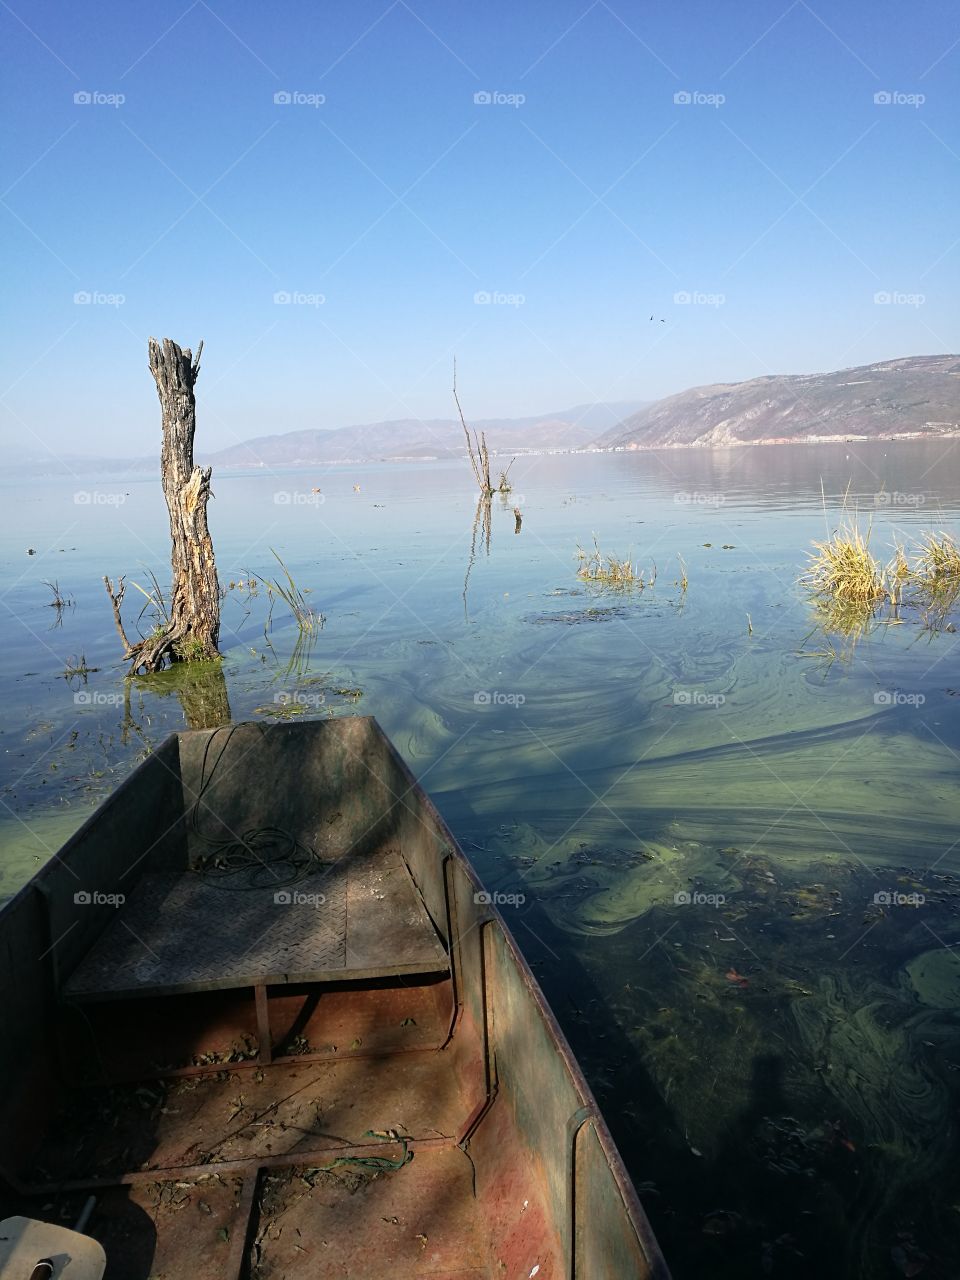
[(573, 619)]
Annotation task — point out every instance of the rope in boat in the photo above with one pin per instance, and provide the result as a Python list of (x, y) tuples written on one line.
[(369, 1162), (258, 858)]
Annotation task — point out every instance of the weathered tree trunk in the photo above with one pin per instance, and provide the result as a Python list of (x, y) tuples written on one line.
[(192, 629)]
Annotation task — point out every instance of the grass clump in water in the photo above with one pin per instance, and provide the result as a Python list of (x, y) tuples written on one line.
[(938, 561), (854, 592), (936, 576), (845, 569), (190, 649), (610, 570)]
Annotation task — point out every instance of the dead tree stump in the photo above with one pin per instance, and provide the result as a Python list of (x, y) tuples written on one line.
[(192, 628)]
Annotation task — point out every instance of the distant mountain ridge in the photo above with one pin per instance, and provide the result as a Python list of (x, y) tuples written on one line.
[(406, 439), (910, 397), (914, 396), (424, 438)]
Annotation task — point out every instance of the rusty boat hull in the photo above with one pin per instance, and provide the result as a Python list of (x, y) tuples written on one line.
[(261, 1008)]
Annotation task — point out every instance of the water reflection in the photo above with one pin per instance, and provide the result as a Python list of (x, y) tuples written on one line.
[(482, 532), (200, 688), (482, 526)]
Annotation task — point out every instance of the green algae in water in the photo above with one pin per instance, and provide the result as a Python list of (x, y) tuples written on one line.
[(794, 1044), (935, 977)]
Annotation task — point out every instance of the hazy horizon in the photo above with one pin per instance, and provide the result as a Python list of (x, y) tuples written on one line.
[(204, 447), (584, 204)]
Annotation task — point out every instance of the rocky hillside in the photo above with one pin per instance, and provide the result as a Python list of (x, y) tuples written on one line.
[(915, 396)]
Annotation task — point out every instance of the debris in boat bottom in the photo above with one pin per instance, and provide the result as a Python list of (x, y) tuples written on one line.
[(283, 1190), (296, 1045)]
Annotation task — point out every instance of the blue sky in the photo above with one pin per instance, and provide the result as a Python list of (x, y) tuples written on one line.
[(383, 199)]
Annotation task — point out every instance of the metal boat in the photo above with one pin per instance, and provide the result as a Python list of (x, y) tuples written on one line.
[(261, 1010)]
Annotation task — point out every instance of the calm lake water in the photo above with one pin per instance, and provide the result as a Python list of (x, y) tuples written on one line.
[(735, 835)]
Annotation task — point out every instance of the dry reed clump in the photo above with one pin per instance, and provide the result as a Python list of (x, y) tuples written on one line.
[(854, 592), (938, 561), (936, 578), (845, 568), (610, 570)]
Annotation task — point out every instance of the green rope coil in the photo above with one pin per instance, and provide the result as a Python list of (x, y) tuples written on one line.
[(380, 1163)]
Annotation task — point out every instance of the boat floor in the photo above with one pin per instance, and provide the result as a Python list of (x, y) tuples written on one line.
[(420, 1220), (251, 1115), (261, 1173), (179, 932)]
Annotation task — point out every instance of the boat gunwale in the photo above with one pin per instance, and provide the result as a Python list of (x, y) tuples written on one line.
[(590, 1111)]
